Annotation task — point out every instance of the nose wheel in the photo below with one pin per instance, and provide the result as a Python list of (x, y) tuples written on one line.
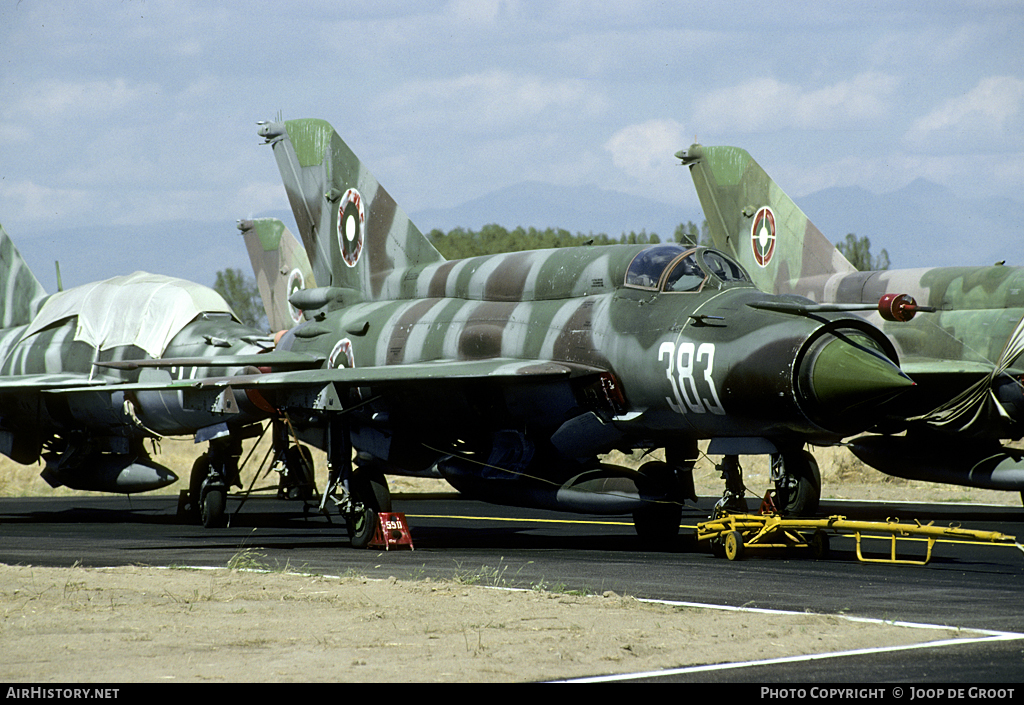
[(797, 483)]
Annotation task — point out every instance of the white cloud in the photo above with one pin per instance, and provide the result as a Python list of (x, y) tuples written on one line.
[(993, 108), (644, 151), (25, 200), (62, 100), (491, 100), (768, 104)]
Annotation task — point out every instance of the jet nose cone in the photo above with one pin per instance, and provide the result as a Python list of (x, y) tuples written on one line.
[(845, 380)]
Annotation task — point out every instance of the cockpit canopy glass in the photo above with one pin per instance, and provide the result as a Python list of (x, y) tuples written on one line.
[(685, 275), (723, 267), (647, 267), (687, 270)]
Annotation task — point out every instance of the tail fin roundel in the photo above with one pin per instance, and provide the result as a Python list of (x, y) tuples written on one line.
[(751, 218), (351, 228)]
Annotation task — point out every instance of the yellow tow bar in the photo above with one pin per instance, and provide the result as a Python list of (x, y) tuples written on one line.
[(731, 534)]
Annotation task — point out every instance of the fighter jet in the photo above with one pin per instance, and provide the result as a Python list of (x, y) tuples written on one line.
[(510, 374), (74, 389), (281, 268), (965, 357)]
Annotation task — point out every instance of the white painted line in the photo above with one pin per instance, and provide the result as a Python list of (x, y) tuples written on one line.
[(985, 635), (788, 659)]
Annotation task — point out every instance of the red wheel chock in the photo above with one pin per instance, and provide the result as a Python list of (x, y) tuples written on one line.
[(392, 532)]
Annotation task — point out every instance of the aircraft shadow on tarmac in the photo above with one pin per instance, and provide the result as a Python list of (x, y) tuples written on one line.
[(439, 533)]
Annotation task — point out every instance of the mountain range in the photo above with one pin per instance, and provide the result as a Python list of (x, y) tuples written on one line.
[(920, 225)]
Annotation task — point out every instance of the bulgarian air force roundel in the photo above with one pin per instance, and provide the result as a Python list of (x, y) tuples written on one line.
[(351, 219), (762, 236), (295, 282), (342, 355)]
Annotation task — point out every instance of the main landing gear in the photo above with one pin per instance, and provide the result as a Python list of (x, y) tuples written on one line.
[(360, 493), (212, 474), (795, 475), (217, 470), (797, 483), (670, 483)]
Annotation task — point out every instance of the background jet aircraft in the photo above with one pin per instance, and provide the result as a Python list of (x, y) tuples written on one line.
[(72, 391), (510, 373), (281, 268), (965, 357)]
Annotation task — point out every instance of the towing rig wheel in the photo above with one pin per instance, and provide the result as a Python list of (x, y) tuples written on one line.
[(733, 545)]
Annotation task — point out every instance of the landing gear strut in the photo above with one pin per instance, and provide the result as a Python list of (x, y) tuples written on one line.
[(212, 473), (669, 483), (295, 464), (733, 498), (360, 493)]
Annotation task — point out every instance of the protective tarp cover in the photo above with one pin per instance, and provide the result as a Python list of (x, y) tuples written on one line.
[(140, 309)]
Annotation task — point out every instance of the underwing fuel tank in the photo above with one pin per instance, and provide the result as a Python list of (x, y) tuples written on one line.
[(986, 465), (606, 489), (109, 472)]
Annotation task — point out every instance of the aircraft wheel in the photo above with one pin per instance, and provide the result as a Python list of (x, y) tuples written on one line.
[(371, 496), (297, 482), (820, 544), (799, 490), (200, 471), (733, 545), (658, 521), (212, 507)]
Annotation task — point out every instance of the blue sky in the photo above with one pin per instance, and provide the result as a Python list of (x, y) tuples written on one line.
[(139, 112)]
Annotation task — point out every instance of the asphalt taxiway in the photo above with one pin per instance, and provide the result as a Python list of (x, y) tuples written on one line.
[(968, 585)]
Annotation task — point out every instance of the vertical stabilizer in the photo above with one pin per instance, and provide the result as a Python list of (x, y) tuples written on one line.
[(280, 266), (22, 294), (751, 218), (352, 229)]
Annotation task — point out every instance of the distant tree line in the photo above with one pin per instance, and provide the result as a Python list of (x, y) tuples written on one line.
[(460, 243), (857, 251)]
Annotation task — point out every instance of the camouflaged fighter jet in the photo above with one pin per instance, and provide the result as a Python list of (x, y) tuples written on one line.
[(72, 391), (281, 268), (965, 357), (510, 373)]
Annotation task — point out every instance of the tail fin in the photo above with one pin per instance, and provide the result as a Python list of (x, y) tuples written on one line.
[(21, 294), (353, 231), (281, 268), (751, 218)]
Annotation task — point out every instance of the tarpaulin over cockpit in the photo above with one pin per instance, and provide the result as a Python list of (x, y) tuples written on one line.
[(140, 309)]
